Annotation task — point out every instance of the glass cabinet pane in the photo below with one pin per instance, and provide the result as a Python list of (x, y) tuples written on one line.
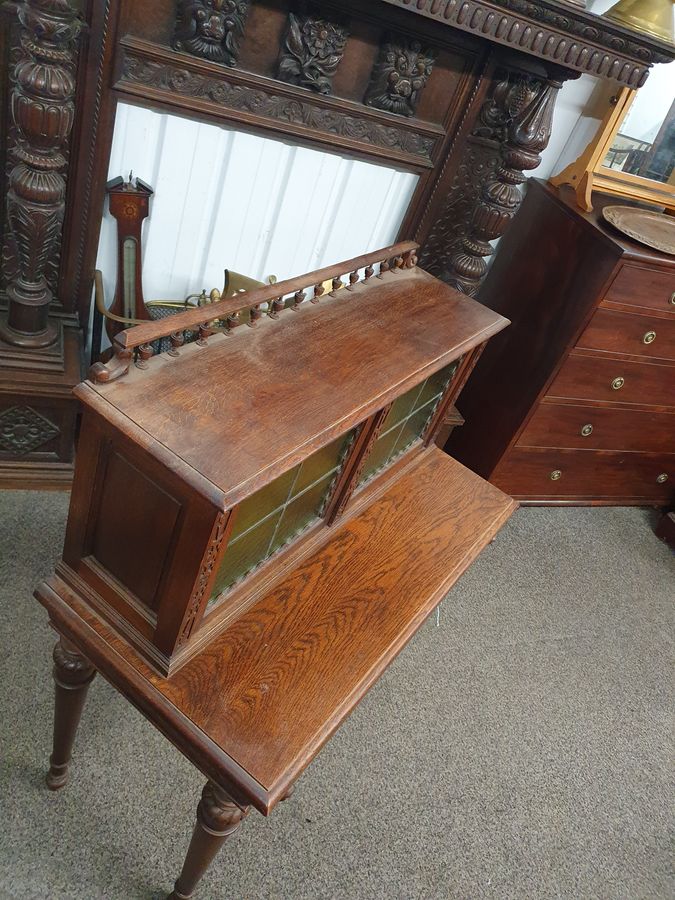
[(277, 513), (406, 421)]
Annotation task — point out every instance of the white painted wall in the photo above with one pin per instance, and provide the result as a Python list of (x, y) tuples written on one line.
[(255, 205)]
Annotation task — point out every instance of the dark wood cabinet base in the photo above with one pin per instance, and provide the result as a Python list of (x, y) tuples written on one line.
[(580, 390), (38, 412)]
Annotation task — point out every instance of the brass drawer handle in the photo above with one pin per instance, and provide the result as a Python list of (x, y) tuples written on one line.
[(586, 430), (618, 383), (672, 298), (556, 474), (649, 338), (662, 478)]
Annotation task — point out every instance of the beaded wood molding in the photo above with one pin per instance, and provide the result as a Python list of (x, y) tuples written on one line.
[(134, 345), (555, 31)]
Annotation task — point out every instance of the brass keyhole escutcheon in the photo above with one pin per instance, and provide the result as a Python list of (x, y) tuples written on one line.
[(662, 478), (618, 383), (649, 338), (555, 475), (586, 430)]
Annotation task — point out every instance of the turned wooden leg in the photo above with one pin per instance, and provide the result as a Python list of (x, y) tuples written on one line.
[(217, 818), (73, 674)]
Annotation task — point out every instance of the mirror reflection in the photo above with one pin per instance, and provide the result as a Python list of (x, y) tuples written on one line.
[(645, 142)]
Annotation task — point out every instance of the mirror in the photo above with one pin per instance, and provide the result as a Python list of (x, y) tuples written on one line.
[(632, 153), (644, 144)]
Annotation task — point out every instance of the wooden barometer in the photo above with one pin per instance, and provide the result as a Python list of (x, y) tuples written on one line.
[(129, 206)]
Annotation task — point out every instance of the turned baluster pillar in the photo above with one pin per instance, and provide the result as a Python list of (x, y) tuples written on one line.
[(498, 200), (42, 110)]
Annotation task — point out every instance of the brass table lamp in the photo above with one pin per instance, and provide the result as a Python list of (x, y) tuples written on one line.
[(654, 17)]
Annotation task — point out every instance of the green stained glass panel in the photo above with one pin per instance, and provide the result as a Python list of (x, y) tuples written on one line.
[(318, 464), (400, 408), (265, 501), (300, 513), (275, 514), (406, 421), (380, 453), (244, 552)]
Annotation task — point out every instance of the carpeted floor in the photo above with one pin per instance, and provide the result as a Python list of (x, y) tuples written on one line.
[(521, 747)]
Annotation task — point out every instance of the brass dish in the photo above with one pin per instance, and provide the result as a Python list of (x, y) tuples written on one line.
[(654, 229)]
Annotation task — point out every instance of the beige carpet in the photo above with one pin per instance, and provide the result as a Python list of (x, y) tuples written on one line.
[(520, 748)]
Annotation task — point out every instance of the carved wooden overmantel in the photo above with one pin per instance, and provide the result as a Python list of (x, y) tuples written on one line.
[(460, 92)]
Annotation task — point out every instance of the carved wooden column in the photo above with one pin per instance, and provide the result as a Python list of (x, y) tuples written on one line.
[(42, 110), (528, 129)]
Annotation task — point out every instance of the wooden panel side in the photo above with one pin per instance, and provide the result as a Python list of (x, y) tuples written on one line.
[(134, 547)]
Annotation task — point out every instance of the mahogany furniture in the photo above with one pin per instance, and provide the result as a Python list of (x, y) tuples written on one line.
[(460, 93), (243, 559), (579, 393)]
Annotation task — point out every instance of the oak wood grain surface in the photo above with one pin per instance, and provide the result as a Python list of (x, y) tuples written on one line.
[(270, 690), (295, 383)]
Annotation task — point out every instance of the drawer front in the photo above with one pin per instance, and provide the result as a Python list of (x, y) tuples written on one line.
[(620, 332), (599, 428), (638, 286), (599, 378), (586, 475)]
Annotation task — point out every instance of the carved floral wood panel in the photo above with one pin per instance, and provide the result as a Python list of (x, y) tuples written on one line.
[(311, 52), (402, 70), (211, 29)]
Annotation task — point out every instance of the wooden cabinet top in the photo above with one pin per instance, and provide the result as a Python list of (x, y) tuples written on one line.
[(249, 405), (624, 245)]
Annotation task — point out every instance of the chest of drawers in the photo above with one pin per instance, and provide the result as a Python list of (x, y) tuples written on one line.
[(581, 389)]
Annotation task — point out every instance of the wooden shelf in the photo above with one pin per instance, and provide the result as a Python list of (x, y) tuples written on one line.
[(293, 383), (254, 707)]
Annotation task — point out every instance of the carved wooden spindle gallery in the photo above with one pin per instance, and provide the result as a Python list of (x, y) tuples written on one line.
[(177, 339), (143, 354), (276, 307)]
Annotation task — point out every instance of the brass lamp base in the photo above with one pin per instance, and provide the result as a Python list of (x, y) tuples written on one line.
[(654, 17)]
